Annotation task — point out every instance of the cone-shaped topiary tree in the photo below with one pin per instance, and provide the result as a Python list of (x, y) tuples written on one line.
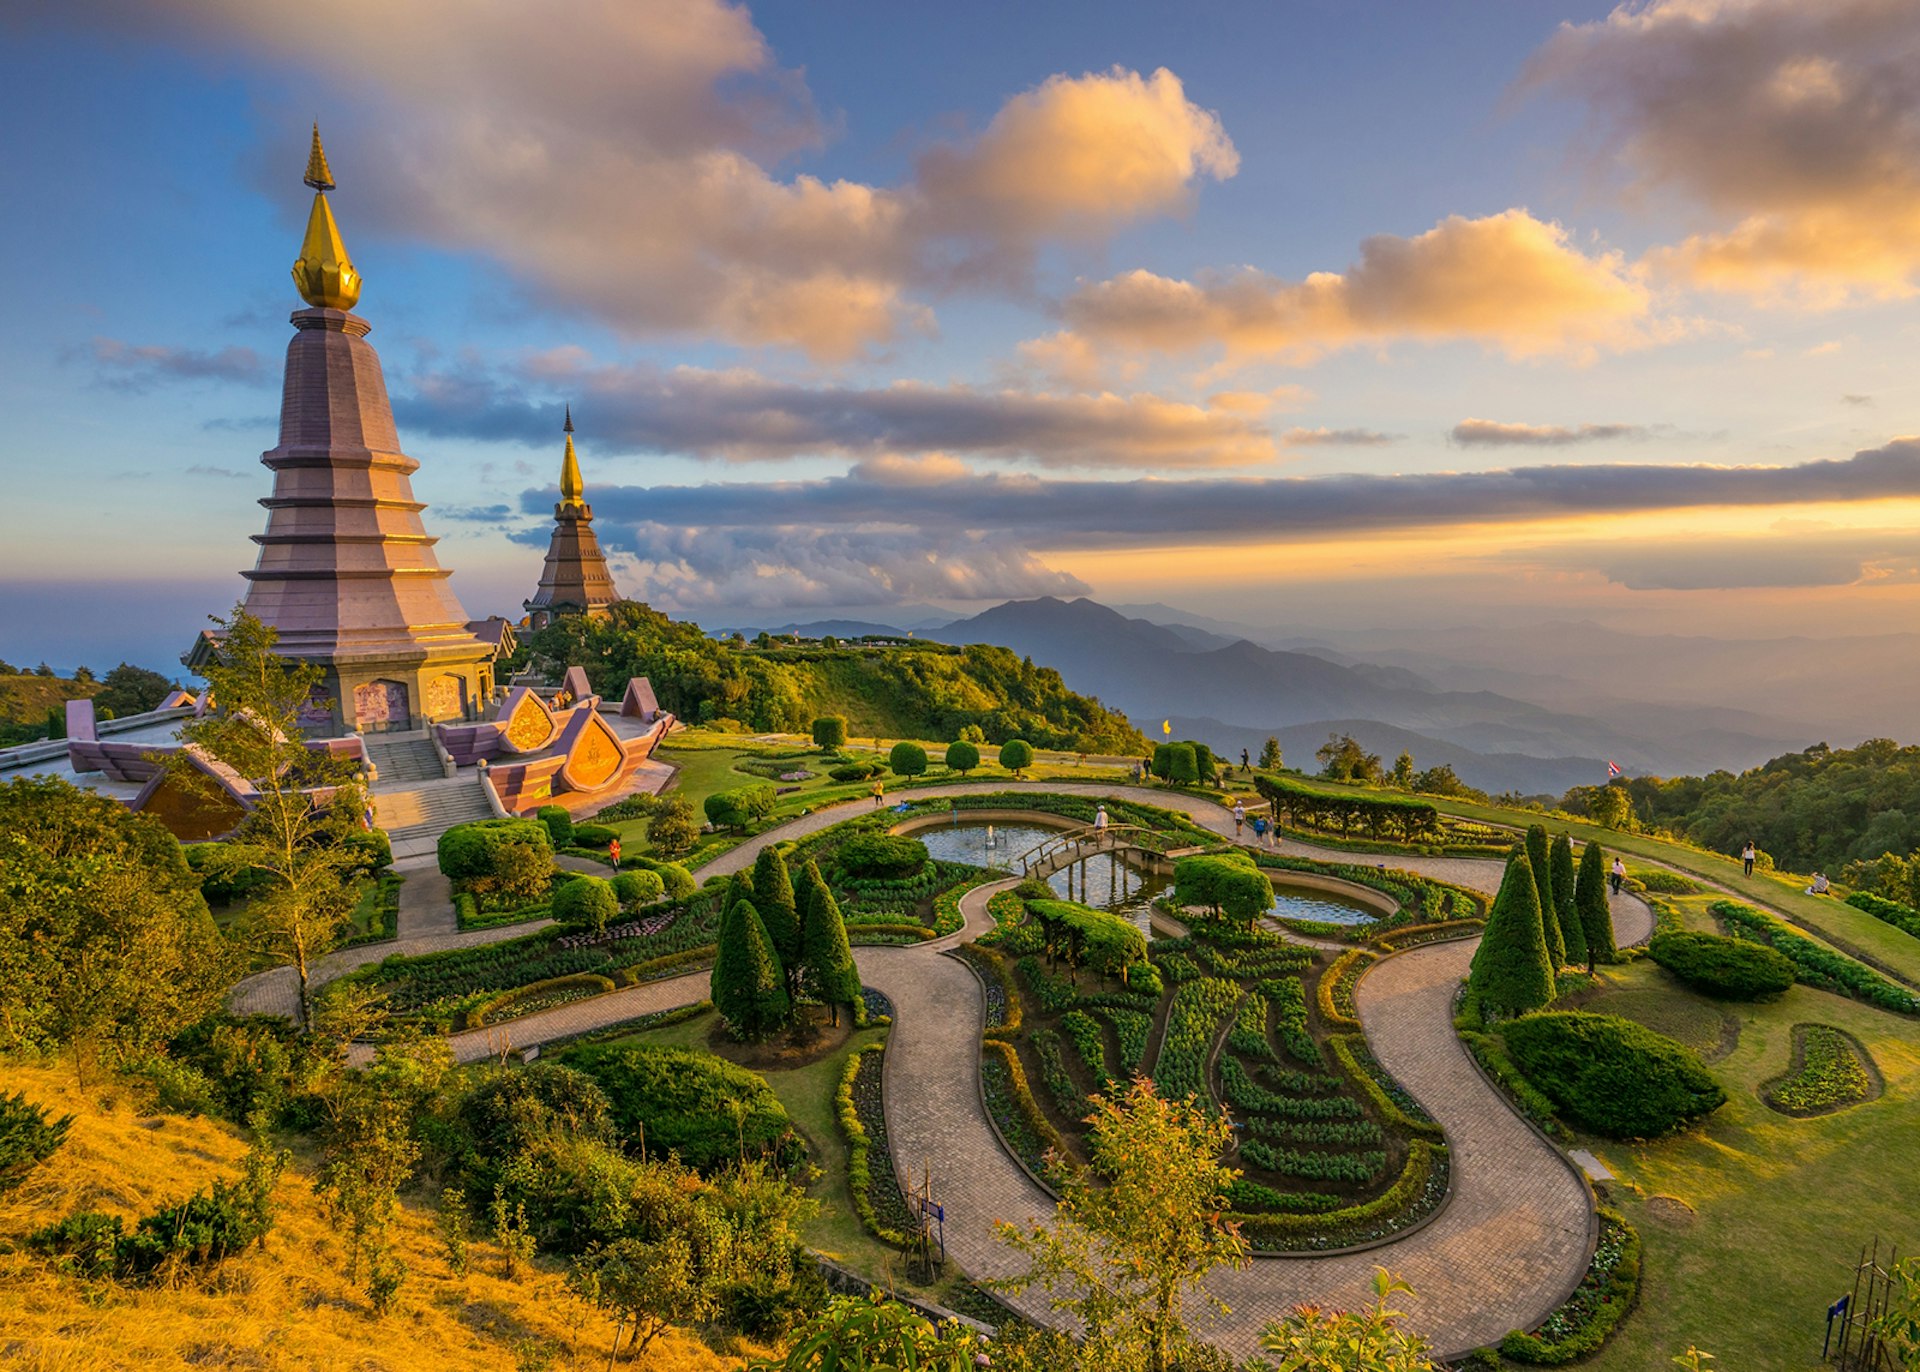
[(1596, 914), (1561, 861), (773, 898), (1511, 973), (1540, 859), (830, 976), (749, 988)]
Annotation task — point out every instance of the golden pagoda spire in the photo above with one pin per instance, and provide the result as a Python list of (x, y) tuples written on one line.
[(572, 489), (323, 272)]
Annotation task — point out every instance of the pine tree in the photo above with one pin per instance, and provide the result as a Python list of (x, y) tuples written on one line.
[(748, 986), (774, 899), (1539, 858), (830, 976), (1590, 899), (1511, 973), (1561, 861)]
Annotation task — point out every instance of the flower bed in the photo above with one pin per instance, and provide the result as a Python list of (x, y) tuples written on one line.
[(1011, 1106), (1389, 1097), (1248, 1037), (1828, 1074), (541, 995), (1089, 1045), (1336, 987), (1902, 917), (1068, 1098), (1415, 1194), (1816, 966), (1289, 1000), (1193, 1024), (863, 1124), (1131, 1029), (1606, 1293)]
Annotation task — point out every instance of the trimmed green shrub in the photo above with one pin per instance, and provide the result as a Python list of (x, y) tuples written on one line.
[(559, 824), (1088, 937), (1511, 970), (27, 1138), (1225, 883), (907, 759), (593, 835), (635, 889), (1560, 860), (1611, 1075), (738, 808), (1540, 859), (962, 756), (1016, 755), (882, 855), (1662, 882), (1176, 763), (773, 898), (676, 1100), (677, 879), (1590, 904), (830, 732), (856, 771), (467, 850), (1818, 966), (1409, 820), (827, 968), (1902, 917), (1729, 968), (586, 900), (749, 987)]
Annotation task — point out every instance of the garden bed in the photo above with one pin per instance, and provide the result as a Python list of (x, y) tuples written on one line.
[(1830, 1072), (1581, 1323)]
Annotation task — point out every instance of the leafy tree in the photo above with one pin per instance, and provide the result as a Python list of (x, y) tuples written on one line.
[(586, 900), (559, 824), (1611, 808), (962, 756), (829, 971), (1898, 1324), (129, 690), (1309, 1339), (1343, 759), (1540, 859), (1444, 781), (830, 732), (1560, 862), (27, 1138), (972, 733), (1511, 971), (1016, 755), (1591, 904), (779, 911), (907, 759), (1176, 763), (105, 939), (298, 849), (748, 985), (1403, 771), (1270, 759), (1138, 1230), (673, 830), (871, 1333), (741, 806)]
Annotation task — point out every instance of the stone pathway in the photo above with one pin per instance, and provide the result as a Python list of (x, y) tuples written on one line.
[(1510, 1245)]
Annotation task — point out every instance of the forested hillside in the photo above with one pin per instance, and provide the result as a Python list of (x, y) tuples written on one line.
[(1818, 809), (907, 690), (31, 702)]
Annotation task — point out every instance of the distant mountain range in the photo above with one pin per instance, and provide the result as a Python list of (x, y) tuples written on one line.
[(1212, 682)]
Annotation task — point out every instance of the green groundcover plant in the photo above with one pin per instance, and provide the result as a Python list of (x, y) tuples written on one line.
[(1611, 1075)]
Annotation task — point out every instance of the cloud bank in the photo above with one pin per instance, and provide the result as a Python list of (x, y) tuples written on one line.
[(1489, 433), (141, 366)]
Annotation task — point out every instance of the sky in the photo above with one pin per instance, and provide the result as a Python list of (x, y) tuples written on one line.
[(1306, 314)]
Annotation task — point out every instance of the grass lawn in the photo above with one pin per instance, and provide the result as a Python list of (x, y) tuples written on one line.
[(1751, 1222), (808, 1092)]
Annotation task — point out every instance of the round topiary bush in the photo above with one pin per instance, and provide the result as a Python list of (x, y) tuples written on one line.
[(907, 759), (467, 850), (1016, 755), (634, 889), (882, 855), (586, 900), (1731, 969), (559, 824), (855, 771), (962, 756), (593, 835), (1611, 1075)]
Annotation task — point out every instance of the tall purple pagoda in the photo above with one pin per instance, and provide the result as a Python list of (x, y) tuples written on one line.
[(346, 572), (575, 579)]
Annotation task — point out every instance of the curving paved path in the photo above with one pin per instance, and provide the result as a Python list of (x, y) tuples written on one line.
[(1512, 1242)]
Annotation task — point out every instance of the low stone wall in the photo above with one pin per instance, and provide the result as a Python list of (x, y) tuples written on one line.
[(1314, 881)]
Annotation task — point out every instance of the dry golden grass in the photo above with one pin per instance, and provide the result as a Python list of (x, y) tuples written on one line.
[(286, 1306)]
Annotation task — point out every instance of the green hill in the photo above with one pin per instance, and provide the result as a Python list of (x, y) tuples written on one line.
[(911, 690)]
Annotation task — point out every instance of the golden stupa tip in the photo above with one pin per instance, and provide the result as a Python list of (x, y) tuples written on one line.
[(319, 174), (573, 490), (568, 426)]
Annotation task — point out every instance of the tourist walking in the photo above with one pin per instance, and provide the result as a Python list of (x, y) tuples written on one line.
[(1239, 816), (1260, 830), (1100, 819), (1746, 859), (879, 792), (1619, 874)]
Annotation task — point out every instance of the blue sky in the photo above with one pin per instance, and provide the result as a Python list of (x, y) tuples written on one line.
[(943, 250)]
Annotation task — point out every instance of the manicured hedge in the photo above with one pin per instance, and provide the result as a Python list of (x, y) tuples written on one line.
[(466, 850), (741, 806), (1394, 1102), (635, 889), (1902, 917), (1611, 1075), (1093, 938), (586, 900), (859, 1168), (593, 835), (543, 995), (1192, 1023), (559, 824), (1729, 968), (1408, 820), (1817, 966), (1421, 1177), (680, 1101), (888, 856)]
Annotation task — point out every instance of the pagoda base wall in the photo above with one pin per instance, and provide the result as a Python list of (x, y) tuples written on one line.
[(371, 695)]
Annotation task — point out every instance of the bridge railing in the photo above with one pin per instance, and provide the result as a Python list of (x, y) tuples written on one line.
[(1073, 844)]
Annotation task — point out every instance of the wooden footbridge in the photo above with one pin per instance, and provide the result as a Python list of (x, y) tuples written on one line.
[(1072, 846)]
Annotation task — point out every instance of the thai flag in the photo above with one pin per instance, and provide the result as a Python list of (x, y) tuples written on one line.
[(1613, 770)]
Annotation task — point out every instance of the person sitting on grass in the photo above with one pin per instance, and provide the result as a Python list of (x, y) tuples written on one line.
[(1819, 887)]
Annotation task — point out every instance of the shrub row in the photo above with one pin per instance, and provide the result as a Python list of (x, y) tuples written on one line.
[(1356, 1169), (1248, 1037), (1902, 917), (1089, 1045), (1394, 1102), (1289, 1000), (1051, 992), (1193, 1022), (1490, 1051), (1419, 1187), (1331, 1133), (1335, 991), (1240, 1089), (859, 1172), (1246, 1195), (1818, 966), (540, 995), (1010, 1103), (1068, 1098), (1131, 1029)]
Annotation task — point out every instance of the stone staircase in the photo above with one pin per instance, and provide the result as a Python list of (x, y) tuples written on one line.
[(402, 758), (415, 816)]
